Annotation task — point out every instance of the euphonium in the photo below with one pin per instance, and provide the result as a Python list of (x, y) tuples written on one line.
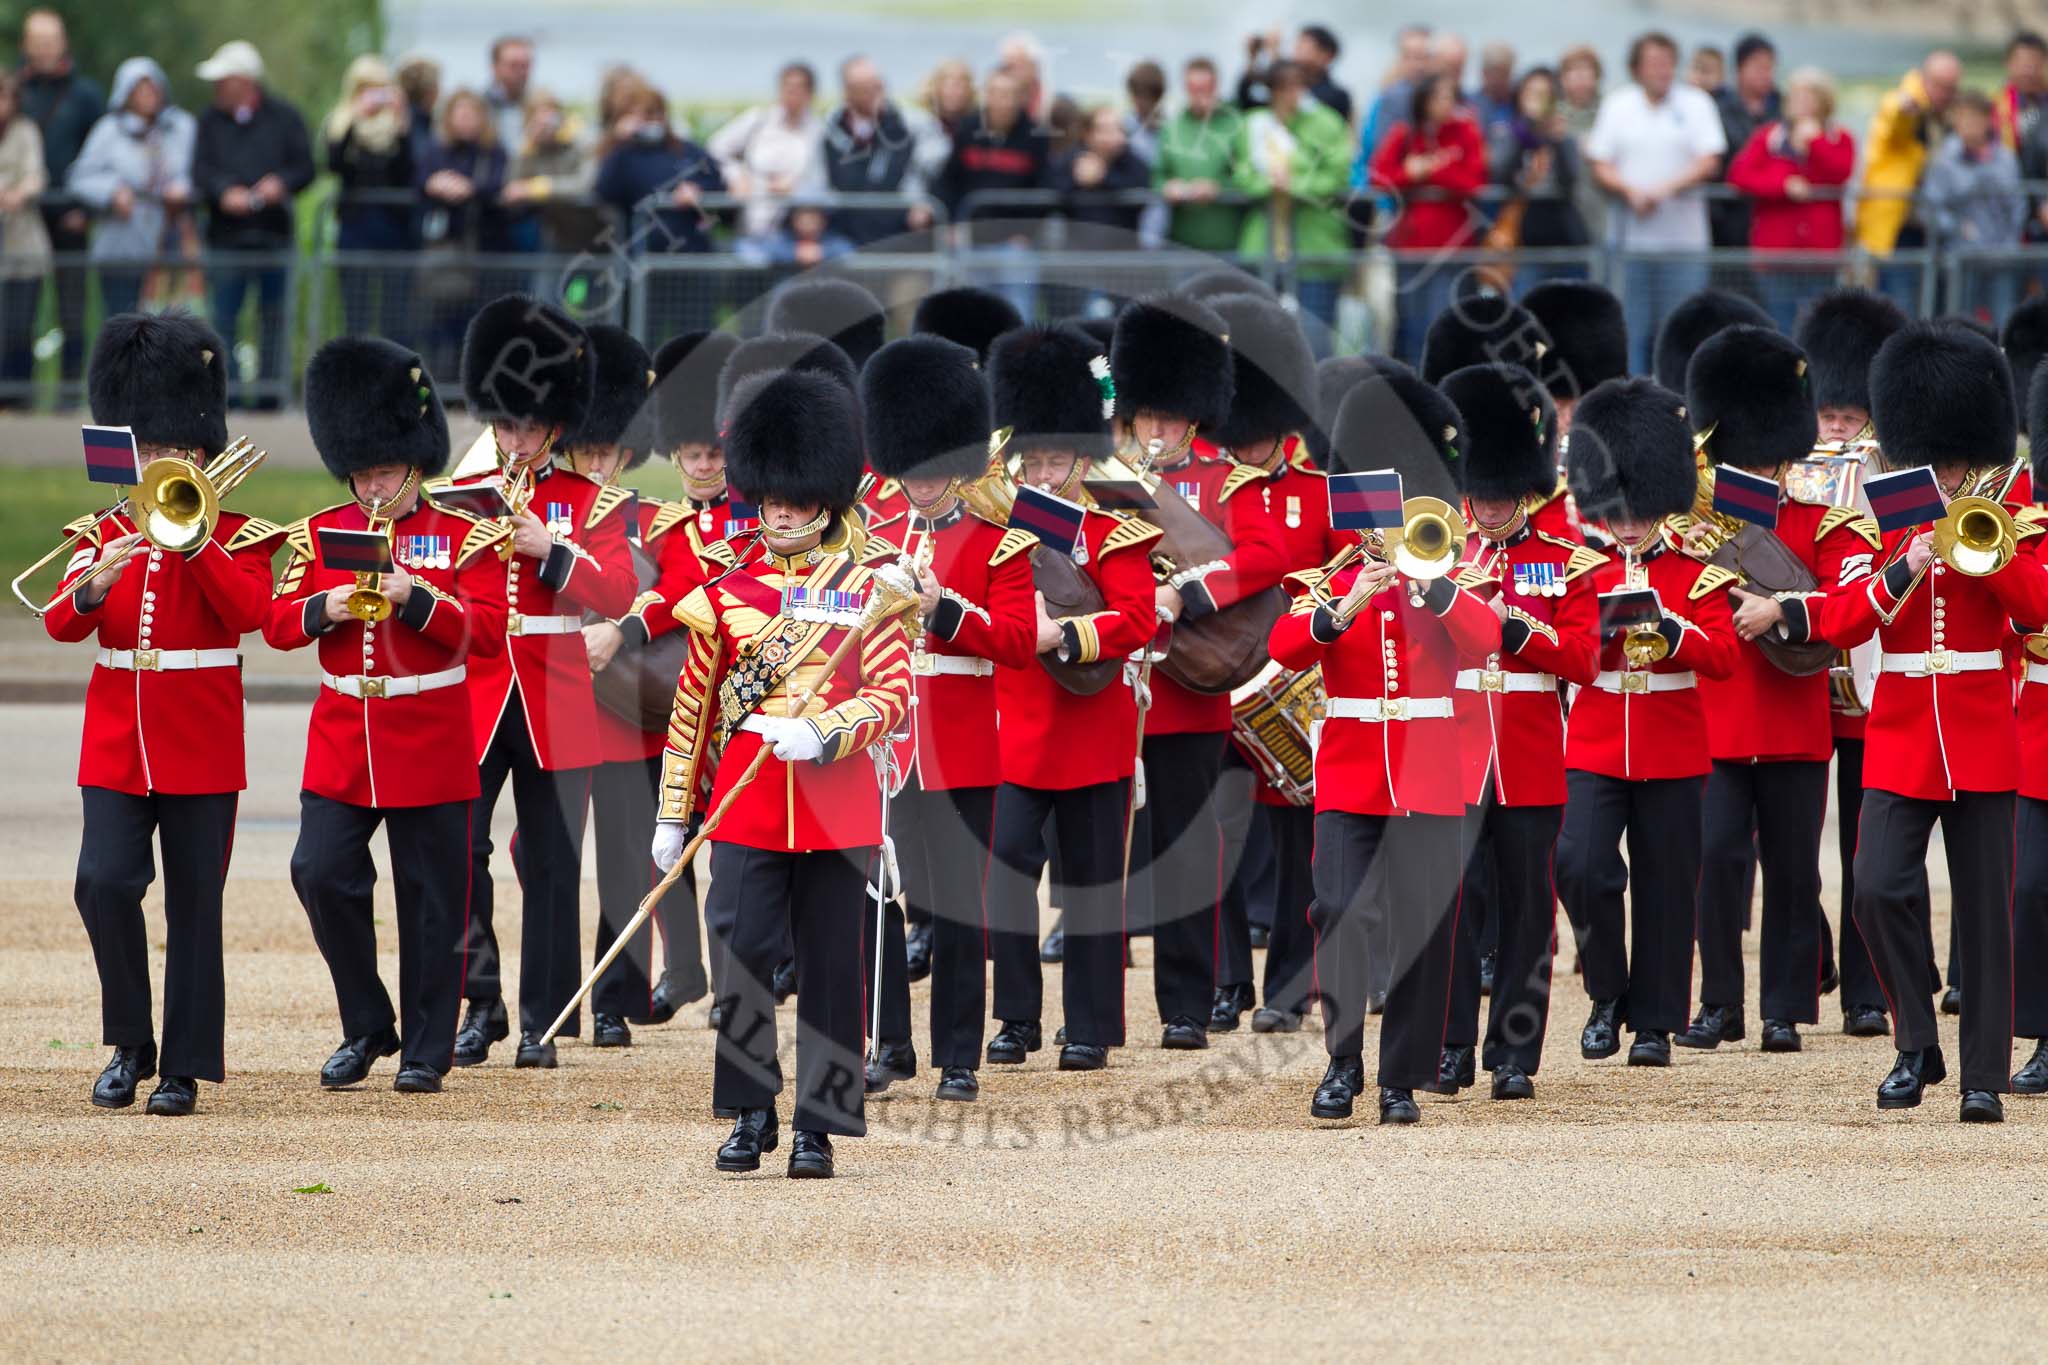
[(175, 505)]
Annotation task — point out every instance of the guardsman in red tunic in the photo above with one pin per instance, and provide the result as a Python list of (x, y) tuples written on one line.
[(616, 436), (1388, 787), (686, 372), (927, 420), (2030, 877), (1750, 400), (1636, 743), (1942, 743), (392, 692), (792, 856), (1586, 337), (1511, 716), (1170, 361), (162, 750), (1267, 432), (1840, 332), (1065, 755), (527, 368)]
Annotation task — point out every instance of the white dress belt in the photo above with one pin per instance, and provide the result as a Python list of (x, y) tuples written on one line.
[(1612, 681), (1943, 661), (372, 688), (515, 624), (1500, 680), (153, 660), (965, 665), (2037, 672), (1388, 708)]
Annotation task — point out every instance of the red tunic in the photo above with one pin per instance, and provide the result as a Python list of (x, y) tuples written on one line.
[(1636, 733), (677, 570), (177, 731), (1760, 713), (1948, 726), (2033, 692), (1512, 733), (390, 751), (1056, 740), (1214, 485), (736, 630), (590, 569), (1397, 655), (985, 618)]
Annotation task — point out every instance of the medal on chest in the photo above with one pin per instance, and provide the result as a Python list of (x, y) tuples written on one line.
[(425, 552), (1190, 491), (1293, 512), (560, 518), (1537, 580)]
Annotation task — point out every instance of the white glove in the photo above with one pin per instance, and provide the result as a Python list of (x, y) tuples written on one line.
[(793, 740), (670, 838)]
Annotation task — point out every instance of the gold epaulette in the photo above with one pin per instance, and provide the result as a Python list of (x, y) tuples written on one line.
[(1240, 476), (1299, 455), (1584, 559), (439, 484), (610, 499), (87, 526), (252, 532), (298, 536), (1016, 541), (670, 515), (1129, 531), (1856, 521), (696, 612), (2029, 521), (878, 551), (1713, 578), (482, 535), (721, 552), (1471, 577)]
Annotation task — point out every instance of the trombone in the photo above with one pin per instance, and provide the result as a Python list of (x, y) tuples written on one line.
[(1976, 536), (175, 506), (1426, 545)]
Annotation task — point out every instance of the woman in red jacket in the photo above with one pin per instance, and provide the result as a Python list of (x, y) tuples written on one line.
[(1435, 162), (1789, 168)]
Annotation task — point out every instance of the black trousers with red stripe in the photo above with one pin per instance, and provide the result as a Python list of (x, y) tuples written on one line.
[(1291, 952), (943, 841), (1785, 806), (2030, 921), (624, 800), (1891, 874), (1239, 819), (336, 882), (1088, 825), (115, 868), (1185, 870), (1633, 923), (1859, 977), (1519, 843), (1421, 856), (550, 807)]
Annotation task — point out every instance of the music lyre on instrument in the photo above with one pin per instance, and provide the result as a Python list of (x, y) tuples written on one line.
[(175, 504), (1642, 645)]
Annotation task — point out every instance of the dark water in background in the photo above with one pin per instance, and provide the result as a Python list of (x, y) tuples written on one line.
[(718, 53)]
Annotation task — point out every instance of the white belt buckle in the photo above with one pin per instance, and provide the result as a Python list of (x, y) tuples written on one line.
[(1493, 680), (515, 624), (1635, 682), (1940, 661), (147, 660), (1393, 708)]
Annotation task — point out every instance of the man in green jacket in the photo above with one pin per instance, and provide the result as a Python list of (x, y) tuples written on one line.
[(1295, 162), (1199, 152)]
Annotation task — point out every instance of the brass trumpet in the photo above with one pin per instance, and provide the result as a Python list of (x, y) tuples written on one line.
[(175, 506), (1641, 645)]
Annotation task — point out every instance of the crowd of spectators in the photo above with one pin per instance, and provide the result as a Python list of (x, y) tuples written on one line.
[(1537, 166)]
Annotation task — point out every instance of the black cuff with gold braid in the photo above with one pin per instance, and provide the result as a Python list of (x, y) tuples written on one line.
[(947, 618), (419, 605), (554, 570), (1798, 626), (1439, 595), (1196, 601), (1325, 626), (315, 620), (1897, 578), (1514, 635), (635, 631)]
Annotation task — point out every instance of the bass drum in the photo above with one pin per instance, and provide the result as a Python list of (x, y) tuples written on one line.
[(1276, 719), (639, 685), (1071, 592), (1217, 653), (1852, 680)]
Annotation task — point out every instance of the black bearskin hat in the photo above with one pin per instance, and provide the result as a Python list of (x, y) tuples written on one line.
[(1393, 420), (838, 310), (686, 370), (528, 361), (369, 402), (1171, 356), (1101, 330), (925, 408), (1587, 332), (785, 351), (1047, 388), (1334, 378), (970, 317), (620, 414), (1939, 392), (165, 375), (1483, 329), (1840, 332), (1211, 285), (1697, 317), (1510, 431), (1750, 385), (1273, 372), (2025, 341), (794, 435), (1631, 452)]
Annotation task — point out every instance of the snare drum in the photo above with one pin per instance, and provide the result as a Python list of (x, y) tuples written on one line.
[(1276, 718)]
